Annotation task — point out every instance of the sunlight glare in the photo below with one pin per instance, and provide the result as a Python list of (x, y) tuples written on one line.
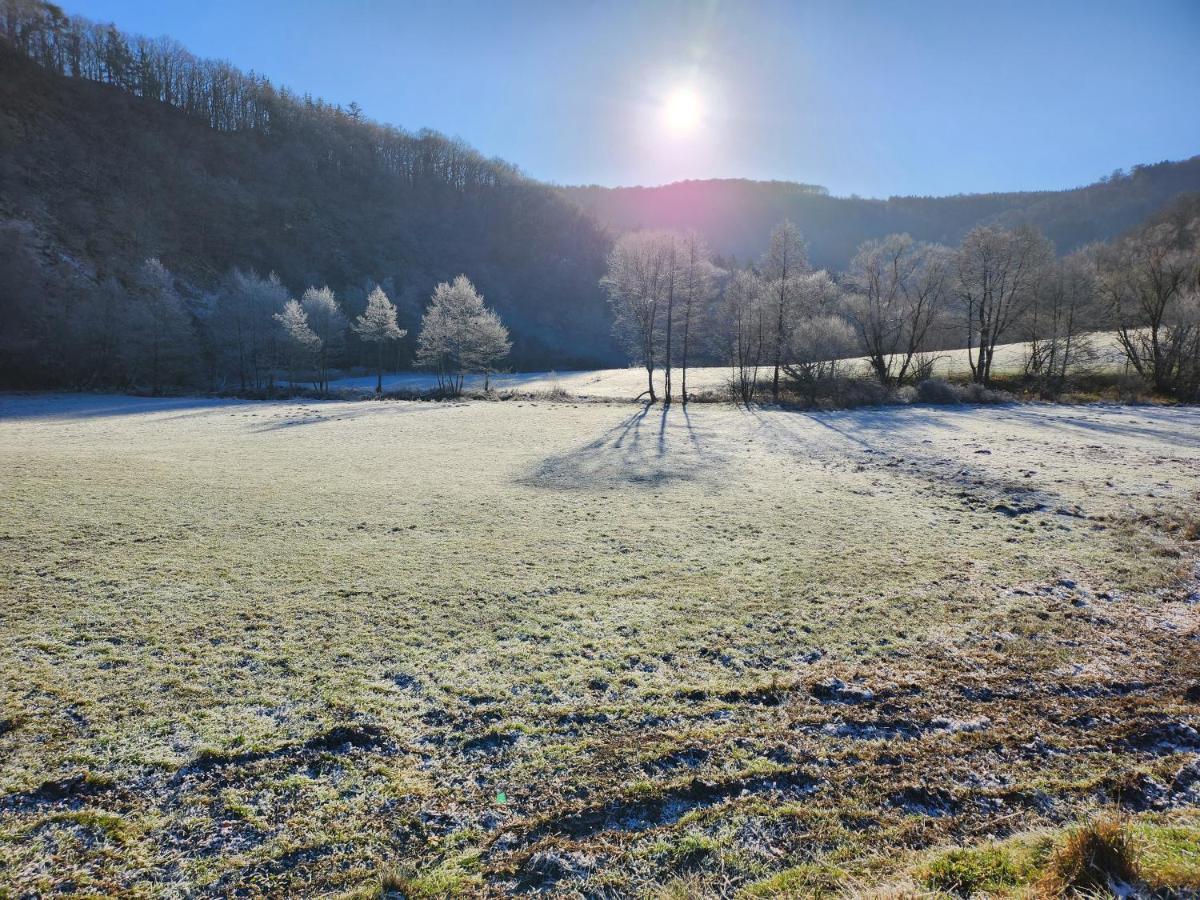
[(682, 111)]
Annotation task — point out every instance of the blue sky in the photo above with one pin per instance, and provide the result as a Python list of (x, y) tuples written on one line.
[(900, 97)]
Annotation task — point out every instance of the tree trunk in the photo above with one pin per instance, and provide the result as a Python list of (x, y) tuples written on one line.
[(667, 360), (686, 330)]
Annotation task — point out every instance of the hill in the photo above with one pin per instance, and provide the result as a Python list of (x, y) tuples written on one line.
[(737, 215), (95, 178)]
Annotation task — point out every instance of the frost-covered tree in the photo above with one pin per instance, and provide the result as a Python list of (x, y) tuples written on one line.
[(460, 335), (487, 344), (161, 343), (898, 293), (698, 279), (640, 269), (301, 340), (819, 336), (377, 325), (996, 274), (1057, 344), (1150, 281), (243, 329), (327, 321), (744, 314), (785, 261)]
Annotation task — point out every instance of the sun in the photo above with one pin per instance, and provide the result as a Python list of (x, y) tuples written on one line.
[(682, 111)]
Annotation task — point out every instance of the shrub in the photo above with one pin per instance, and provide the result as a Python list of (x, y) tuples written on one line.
[(1091, 859), (935, 390), (848, 393)]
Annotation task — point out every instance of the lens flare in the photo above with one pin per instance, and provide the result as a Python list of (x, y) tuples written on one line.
[(682, 111)]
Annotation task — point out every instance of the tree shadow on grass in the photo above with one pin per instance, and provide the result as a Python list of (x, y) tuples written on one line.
[(646, 449), (893, 445), (47, 407)]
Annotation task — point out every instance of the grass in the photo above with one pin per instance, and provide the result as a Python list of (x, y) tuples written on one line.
[(283, 648), (1150, 854)]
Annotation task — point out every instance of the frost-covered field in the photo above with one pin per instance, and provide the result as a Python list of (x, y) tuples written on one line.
[(629, 382), (306, 648)]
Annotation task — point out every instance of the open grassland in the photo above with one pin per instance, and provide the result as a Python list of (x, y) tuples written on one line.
[(482, 648), (627, 383)]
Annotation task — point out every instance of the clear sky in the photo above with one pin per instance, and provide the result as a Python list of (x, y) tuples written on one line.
[(874, 98)]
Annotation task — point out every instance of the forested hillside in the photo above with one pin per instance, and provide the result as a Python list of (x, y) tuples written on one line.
[(114, 149), (736, 215)]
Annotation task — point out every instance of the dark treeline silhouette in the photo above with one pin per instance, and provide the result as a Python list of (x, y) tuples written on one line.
[(118, 149), (736, 215)]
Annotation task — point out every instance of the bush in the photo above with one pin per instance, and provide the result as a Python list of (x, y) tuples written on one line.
[(833, 391), (937, 391), (934, 390), (847, 393)]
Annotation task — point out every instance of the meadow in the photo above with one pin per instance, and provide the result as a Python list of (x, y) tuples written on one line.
[(711, 381), (482, 648)]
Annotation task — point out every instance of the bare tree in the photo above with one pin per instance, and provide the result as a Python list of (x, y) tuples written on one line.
[(1150, 282), (327, 321), (639, 268), (744, 310), (698, 280), (996, 273), (898, 293), (785, 261), (1063, 302), (819, 335), (377, 325), (460, 335)]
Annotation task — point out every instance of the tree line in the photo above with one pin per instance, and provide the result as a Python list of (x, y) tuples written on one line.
[(250, 335), (782, 325)]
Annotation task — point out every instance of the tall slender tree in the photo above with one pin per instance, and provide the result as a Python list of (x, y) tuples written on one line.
[(301, 340), (785, 261), (636, 282), (698, 278), (377, 325)]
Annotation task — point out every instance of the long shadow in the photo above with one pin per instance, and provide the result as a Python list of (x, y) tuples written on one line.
[(620, 457), (687, 421), (1103, 423), (975, 483), (95, 406)]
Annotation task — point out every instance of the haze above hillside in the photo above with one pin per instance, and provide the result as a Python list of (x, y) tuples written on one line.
[(736, 215)]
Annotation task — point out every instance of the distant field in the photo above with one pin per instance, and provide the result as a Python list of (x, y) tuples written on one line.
[(297, 649), (630, 382)]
